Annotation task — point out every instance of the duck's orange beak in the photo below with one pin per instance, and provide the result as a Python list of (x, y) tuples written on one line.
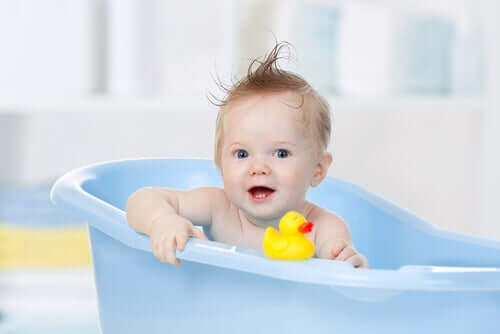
[(306, 227)]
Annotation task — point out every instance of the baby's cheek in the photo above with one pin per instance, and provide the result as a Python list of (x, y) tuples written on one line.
[(234, 190), (299, 182)]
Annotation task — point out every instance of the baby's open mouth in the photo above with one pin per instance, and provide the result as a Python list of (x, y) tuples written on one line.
[(260, 193)]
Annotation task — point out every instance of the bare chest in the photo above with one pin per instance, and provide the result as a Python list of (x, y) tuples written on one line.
[(227, 227)]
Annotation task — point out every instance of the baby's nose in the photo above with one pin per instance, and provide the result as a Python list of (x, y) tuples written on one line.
[(259, 168)]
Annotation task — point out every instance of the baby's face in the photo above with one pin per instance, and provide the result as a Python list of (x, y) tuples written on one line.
[(267, 160)]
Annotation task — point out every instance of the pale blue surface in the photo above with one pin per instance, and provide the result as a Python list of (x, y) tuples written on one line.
[(222, 289), (30, 207)]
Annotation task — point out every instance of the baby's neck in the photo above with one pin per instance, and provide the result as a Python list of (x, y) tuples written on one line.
[(304, 210), (257, 221)]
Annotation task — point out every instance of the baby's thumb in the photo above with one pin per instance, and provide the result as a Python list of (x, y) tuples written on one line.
[(197, 233)]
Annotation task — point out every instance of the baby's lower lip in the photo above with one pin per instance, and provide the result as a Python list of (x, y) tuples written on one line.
[(261, 197)]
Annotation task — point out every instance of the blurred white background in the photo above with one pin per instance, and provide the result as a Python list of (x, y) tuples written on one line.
[(414, 85)]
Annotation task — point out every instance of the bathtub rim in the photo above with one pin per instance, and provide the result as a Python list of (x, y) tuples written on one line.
[(68, 193)]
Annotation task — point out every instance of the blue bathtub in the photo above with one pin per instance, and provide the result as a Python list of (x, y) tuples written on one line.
[(422, 280)]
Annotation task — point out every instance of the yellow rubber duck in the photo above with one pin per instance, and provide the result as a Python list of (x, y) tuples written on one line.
[(290, 243)]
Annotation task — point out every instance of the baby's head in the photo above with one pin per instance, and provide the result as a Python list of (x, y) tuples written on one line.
[(268, 79), (271, 140)]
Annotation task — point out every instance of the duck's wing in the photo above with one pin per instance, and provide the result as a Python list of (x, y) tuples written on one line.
[(275, 241)]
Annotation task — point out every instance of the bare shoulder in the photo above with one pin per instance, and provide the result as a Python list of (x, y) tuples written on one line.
[(323, 216), (223, 207), (199, 205), (328, 223), (217, 196), (200, 193)]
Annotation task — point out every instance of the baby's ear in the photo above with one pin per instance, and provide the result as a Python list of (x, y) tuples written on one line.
[(321, 168)]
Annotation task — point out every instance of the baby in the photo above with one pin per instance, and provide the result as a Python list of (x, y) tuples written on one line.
[(272, 133)]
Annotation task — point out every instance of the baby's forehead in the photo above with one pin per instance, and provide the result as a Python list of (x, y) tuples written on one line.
[(268, 110), (287, 105)]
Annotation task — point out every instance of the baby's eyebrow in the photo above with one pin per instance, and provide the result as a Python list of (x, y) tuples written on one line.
[(285, 143), (235, 144), (279, 142)]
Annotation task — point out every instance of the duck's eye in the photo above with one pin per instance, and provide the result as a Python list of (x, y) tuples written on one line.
[(281, 153), (241, 154)]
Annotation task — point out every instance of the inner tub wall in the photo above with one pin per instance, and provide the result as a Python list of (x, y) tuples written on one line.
[(390, 237), (138, 294)]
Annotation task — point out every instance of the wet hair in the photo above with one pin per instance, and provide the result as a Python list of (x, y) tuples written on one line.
[(265, 76)]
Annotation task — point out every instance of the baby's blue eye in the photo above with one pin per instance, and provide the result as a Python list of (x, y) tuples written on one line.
[(241, 154), (282, 153)]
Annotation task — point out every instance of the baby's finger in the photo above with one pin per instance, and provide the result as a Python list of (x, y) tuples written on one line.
[(169, 252), (159, 251), (197, 233), (355, 260), (337, 247), (180, 240), (345, 254), (158, 246)]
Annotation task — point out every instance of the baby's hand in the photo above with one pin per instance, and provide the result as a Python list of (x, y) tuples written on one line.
[(341, 250), (171, 232)]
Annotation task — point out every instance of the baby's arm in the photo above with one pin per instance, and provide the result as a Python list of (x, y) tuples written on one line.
[(167, 216), (333, 240)]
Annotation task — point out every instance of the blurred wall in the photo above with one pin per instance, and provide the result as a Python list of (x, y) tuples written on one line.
[(426, 162), (46, 50), (12, 141), (490, 132)]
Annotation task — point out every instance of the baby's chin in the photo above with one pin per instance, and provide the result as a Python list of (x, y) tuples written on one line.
[(265, 219)]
